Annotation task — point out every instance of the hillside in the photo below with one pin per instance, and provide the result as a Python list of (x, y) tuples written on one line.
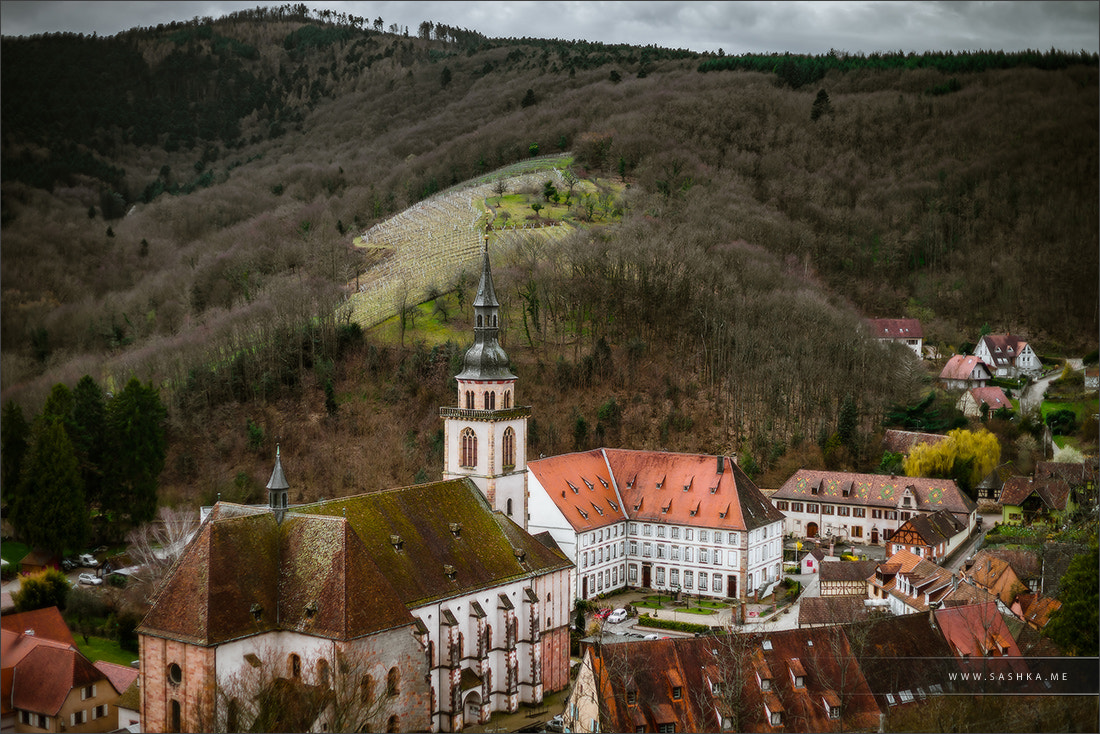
[(182, 203)]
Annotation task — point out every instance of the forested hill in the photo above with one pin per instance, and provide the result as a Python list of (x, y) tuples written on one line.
[(168, 186)]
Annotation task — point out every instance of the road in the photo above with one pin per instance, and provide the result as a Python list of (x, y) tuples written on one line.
[(1032, 396)]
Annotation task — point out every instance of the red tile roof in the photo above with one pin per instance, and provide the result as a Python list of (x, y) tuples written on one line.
[(1004, 348), (976, 630), (121, 676), (582, 488), (878, 490), (688, 489), (44, 677), (1039, 610), (996, 575), (46, 623), (896, 328), (994, 397), (961, 366)]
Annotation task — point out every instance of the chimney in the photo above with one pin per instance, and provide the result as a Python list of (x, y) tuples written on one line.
[(932, 613), (721, 464)]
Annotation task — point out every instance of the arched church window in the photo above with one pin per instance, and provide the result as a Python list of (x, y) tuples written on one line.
[(469, 449), (494, 320), (509, 445), (507, 399), (509, 507), (492, 401), (479, 321), (470, 399)]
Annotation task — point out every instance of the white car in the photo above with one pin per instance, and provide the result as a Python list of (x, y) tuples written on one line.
[(619, 615), (88, 561), (88, 578)]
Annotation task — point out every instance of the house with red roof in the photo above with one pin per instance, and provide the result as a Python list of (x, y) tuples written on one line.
[(677, 522), (971, 401), (1025, 499), (1008, 355), (865, 507), (963, 373), (46, 684), (902, 331), (912, 584)]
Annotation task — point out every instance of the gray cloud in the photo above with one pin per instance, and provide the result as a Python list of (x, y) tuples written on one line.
[(736, 27)]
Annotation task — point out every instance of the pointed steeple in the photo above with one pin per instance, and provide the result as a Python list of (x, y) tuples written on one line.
[(486, 360), (277, 488)]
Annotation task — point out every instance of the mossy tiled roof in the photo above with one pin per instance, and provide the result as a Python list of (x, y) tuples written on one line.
[(332, 569)]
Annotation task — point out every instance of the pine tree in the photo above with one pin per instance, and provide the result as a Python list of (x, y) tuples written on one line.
[(135, 423), (14, 435), (90, 435), (48, 509)]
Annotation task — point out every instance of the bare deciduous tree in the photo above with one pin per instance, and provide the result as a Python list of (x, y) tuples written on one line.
[(155, 546)]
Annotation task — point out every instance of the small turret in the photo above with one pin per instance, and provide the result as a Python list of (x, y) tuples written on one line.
[(486, 360), (277, 489)]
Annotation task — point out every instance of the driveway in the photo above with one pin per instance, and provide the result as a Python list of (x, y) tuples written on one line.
[(1032, 396)]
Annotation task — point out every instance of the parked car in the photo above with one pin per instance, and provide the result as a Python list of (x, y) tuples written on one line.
[(619, 615), (69, 564), (603, 613), (90, 579), (87, 560), (555, 724)]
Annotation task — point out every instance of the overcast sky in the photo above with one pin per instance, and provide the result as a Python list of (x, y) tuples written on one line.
[(735, 27)]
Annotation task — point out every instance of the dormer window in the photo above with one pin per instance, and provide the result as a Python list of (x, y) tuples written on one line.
[(311, 609), (632, 697), (605, 484), (588, 484), (583, 513), (257, 612), (456, 529), (677, 693), (575, 490), (397, 542), (449, 571)]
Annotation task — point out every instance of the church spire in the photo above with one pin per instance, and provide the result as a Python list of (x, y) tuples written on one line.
[(277, 488), (486, 360)]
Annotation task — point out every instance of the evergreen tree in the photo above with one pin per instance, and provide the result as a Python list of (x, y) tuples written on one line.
[(14, 435), (48, 509), (1074, 626), (90, 435), (135, 422)]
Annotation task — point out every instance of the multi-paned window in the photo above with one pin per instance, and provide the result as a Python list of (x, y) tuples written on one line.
[(782, 505), (796, 507), (688, 579), (469, 449)]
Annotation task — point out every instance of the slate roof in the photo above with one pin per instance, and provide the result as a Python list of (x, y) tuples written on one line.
[(581, 486), (962, 366), (44, 677), (902, 442), (1052, 492), (903, 653), (896, 328), (934, 528), (691, 491), (874, 490)]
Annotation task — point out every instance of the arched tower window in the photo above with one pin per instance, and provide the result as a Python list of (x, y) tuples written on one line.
[(295, 665), (507, 399), (509, 507), (469, 399), (509, 444), (492, 401), (469, 449), (479, 321), (392, 683)]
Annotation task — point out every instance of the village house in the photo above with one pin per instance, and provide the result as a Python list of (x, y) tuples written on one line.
[(902, 331), (912, 584), (674, 522), (972, 400), (1026, 499), (977, 631), (46, 684), (811, 561), (995, 575), (964, 373), (864, 508), (1008, 356), (845, 578), (934, 536)]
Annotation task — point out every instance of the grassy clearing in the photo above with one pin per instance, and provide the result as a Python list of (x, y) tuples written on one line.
[(100, 648), (13, 552), (429, 326)]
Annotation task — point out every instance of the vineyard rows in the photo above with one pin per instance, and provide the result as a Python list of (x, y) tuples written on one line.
[(429, 245)]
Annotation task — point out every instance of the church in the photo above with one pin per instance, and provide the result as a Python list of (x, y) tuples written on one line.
[(422, 608)]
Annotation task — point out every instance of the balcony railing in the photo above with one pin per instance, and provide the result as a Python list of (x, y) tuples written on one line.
[(486, 415)]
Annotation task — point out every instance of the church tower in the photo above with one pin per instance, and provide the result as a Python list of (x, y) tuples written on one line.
[(485, 437)]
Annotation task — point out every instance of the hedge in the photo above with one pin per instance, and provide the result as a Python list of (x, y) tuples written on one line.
[(671, 624)]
